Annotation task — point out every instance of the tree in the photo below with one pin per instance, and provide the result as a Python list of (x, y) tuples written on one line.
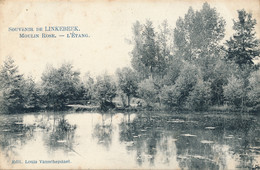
[(234, 91), (151, 51), (136, 53), (243, 46), (218, 76), (148, 91), (176, 95), (105, 91), (149, 47), (173, 71), (11, 87), (164, 45), (60, 85), (88, 83), (127, 82), (198, 34), (31, 94), (200, 97), (169, 95)]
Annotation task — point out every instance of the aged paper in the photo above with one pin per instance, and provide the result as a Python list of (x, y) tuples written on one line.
[(95, 36)]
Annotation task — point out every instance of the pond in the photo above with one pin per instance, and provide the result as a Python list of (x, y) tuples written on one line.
[(130, 140)]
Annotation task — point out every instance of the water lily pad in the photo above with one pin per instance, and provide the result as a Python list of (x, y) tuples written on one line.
[(256, 148), (175, 121), (19, 123), (229, 137), (20, 134), (188, 135), (182, 157), (198, 157), (61, 141), (206, 141)]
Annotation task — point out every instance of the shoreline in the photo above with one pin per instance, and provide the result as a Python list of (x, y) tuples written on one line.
[(78, 108)]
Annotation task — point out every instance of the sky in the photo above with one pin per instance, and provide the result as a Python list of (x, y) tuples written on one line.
[(108, 24)]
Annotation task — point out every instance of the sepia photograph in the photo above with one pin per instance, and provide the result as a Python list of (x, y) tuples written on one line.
[(145, 84)]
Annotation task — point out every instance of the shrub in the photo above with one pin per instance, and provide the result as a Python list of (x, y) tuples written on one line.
[(200, 97), (254, 91), (234, 91)]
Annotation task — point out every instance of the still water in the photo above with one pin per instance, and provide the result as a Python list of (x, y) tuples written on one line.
[(133, 140)]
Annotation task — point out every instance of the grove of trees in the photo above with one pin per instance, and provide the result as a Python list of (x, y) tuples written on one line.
[(190, 67)]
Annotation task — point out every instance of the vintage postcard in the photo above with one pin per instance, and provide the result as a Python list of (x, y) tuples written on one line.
[(145, 84)]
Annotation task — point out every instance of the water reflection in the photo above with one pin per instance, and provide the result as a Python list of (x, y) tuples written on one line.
[(141, 136), (14, 134), (144, 140), (198, 142), (103, 131), (62, 135)]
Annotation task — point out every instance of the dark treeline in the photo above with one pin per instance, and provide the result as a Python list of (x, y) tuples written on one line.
[(189, 67)]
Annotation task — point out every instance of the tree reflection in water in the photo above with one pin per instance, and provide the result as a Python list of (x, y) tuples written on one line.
[(62, 135), (200, 142), (103, 132), (141, 135), (14, 133), (188, 141)]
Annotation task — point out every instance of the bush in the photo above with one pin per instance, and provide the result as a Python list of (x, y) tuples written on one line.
[(200, 97), (169, 94), (60, 85), (234, 91), (147, 91), (105, 91), (127, 83), (254, 91), (176, 95)]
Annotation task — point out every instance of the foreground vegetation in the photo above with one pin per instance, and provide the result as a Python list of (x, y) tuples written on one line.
[(185, 68)]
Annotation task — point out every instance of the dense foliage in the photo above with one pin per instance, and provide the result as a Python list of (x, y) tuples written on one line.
[(127, 82), (243, 46), (200, 72), (59, 85), (12, 98), (188, 67)]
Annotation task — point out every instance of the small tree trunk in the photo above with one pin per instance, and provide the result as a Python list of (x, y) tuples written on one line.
[(242, 104), (128, 100), (128, 114), (123, 100)]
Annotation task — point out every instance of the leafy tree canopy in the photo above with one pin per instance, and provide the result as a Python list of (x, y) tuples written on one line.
[(60, 85), (11, 87), (198, 34), (243, 46)]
